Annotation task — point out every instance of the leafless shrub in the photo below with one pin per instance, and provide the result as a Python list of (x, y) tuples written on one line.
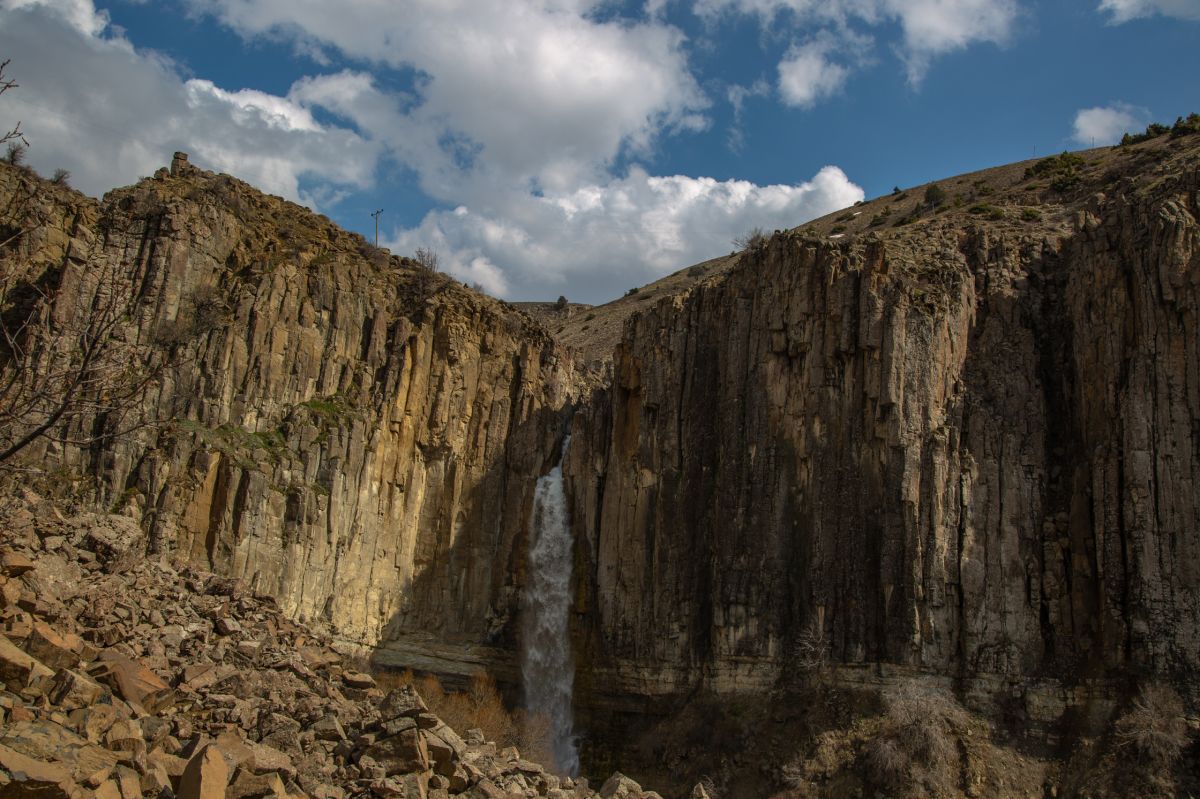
[(427, 259), (794, 772), (811, 651), (1154, 729), (13, 136), (887, 763), (750, 240), (15, 156), (199, 314), (62, 177), (533, 737), (916, 742)]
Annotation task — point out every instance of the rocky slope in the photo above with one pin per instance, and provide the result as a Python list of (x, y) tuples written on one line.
[(965, 443), (124, 677), (340, 429)]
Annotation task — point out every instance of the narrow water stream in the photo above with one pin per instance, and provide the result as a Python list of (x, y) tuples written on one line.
[(547, 673)]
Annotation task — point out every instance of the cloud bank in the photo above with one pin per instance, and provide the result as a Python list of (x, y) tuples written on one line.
[(623, 233)]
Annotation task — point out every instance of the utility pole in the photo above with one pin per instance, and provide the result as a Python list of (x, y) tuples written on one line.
[(376, 215)]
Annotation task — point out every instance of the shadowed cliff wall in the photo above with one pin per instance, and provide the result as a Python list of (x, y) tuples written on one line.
[(967, 447)]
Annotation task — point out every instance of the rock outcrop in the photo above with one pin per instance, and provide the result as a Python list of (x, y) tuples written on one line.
[(964, 445)]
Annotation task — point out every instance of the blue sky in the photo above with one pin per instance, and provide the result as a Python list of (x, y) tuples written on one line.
[(581, 147)]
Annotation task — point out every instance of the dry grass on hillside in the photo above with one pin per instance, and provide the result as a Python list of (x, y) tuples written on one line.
[(480, 707)]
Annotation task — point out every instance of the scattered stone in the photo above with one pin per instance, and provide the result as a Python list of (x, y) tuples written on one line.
[(14, 564), (55, 650), (19, 668), (136, 680), (132, 680), (356, 679), (618, 786), (227, 626), (328, 728), (206, 775), (73, 691), (29, 777)]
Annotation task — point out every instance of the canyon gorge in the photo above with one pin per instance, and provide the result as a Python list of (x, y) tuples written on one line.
[(952, 441)]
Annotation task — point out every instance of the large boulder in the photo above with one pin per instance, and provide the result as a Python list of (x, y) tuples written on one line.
[(618, 786)]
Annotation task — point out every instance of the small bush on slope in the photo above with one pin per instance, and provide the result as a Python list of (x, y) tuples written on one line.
[(479, 707)]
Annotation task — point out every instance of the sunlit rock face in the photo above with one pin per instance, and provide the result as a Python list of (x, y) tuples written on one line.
[(341, 430)]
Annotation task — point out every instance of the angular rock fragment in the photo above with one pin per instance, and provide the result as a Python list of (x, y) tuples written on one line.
[(205, 777), (57, 651), (19, 668), (35, 779), (356, 679), (618, 786), (71, 690), (401, 753)]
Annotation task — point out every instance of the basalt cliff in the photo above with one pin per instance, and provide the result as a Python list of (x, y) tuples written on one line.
[(952, 434), (340, 429)]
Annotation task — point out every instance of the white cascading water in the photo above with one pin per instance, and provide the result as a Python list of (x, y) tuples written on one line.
[(546, 668)]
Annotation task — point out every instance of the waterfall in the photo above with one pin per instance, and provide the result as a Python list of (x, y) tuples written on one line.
[(547, 672)]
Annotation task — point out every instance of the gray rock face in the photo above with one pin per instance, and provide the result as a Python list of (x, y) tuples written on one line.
[(969, 449)]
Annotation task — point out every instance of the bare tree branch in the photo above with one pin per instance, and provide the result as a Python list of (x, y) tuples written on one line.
[(6, 84)]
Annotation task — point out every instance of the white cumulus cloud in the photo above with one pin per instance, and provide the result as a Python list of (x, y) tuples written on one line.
[(1106, 124), (90, 103), (599, 239), (1121, 11), (807, 75), (536, 89)]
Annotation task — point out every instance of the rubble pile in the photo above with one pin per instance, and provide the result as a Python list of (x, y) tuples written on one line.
[(124, 677)]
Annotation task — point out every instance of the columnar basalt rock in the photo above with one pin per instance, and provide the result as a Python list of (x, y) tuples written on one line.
[(962, 443), (353, 435), (965, 447)]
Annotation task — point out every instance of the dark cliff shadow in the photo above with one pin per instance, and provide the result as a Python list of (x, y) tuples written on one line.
[(463, 612)]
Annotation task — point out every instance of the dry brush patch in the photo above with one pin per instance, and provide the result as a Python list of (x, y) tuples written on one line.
[(480, 707), (916, 741)]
